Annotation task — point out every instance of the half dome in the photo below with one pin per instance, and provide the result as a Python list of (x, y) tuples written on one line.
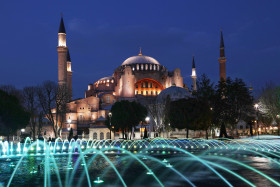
[(174, 92), (140, 59)]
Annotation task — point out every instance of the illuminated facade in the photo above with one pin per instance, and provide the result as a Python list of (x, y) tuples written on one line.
[(139, 78)]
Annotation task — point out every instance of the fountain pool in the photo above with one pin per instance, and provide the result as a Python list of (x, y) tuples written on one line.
[(152, 162)]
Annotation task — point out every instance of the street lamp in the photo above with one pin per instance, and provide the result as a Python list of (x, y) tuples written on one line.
[(147, 119), (69, 122), (110, 116), (22, 131), (257, 109), (277, 121)]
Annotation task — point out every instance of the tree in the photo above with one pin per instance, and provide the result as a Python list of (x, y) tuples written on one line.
[(202, 116), (206, 98), (11, 90), (12, 114), (31, 105), (53, 101), (233, 102), (266, 120), (182, 114), (159, 113), (47, 95), (269, 102), (126, 115), (61, 107)]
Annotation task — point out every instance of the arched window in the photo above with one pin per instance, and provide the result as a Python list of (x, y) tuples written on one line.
[(107, 99), (81, 118), (107, 135), (101, 136), (146, 66), (94, 136), (137, 66)]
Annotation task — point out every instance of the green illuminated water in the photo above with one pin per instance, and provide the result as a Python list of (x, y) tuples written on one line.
[(153, 162)]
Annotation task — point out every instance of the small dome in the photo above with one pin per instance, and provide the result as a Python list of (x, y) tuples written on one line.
[(174, 92), (140, 59), (105, 78)]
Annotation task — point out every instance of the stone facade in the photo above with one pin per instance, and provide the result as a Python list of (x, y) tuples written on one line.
[(139, 78)]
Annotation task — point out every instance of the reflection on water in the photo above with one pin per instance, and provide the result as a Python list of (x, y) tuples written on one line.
[(158, 162), (134, 174)]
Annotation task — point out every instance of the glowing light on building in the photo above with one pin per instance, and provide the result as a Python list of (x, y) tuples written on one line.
[(193, 72)]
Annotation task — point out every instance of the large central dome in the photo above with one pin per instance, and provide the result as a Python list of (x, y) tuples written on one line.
[(140, 59)]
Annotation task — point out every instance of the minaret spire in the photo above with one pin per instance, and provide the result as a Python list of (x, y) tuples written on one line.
[(193, 63), (140, 51), (222, 60), (61, 26), (68, 56), (194, 88)]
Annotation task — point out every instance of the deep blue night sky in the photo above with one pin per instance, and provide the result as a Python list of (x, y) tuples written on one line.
[(102, 34)]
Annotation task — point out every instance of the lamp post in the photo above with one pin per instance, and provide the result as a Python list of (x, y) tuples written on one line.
[(277, 117), (147, 119), (110, 116), (141, 130), (257, 118), (69, 123), (69, 126)]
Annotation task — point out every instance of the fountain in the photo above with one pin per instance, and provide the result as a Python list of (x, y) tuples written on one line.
[(154, 162)]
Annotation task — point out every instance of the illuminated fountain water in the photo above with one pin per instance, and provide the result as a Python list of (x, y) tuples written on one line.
[(158, 162)]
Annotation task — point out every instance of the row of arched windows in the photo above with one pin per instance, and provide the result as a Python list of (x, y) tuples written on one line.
[(101, 135), (148, 87), (146, 92), (154, 67)]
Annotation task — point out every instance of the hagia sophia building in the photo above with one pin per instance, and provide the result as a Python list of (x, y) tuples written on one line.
[(139, 78)]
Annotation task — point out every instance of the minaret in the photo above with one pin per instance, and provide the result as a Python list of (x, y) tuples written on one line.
[(69, 75), (193, 76), (62, 55), (222, 59)]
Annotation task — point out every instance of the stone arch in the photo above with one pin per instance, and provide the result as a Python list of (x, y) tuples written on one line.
[(148, 87), (94, 136), (101, 136)]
